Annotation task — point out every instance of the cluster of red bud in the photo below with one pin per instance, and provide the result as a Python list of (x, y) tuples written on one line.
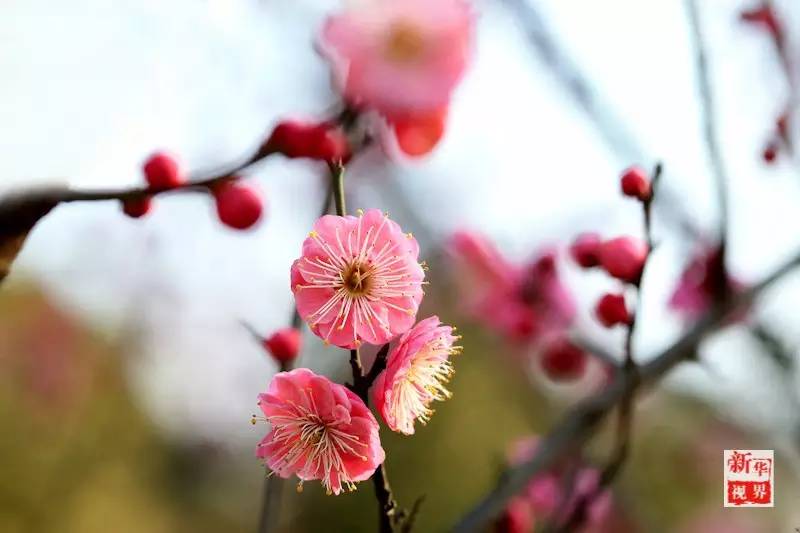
[(239, 206), (622, 258)]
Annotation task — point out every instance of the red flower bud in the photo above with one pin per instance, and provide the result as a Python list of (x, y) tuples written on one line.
[(322, 141), (770, 153), (585, 250), (563, 361), (611, 310), (162, 171), (624, 258), (284, 344), (238, 206), (636, 184), (137, 207)]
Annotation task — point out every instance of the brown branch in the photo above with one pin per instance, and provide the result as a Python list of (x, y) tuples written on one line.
[(583, 420), (21, 210), (387, 505)]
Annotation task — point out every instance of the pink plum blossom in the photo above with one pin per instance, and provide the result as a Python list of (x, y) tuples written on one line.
[(522, 301), (319, 430), (399, 57), (417, 368), (545, 494), (358, 279)]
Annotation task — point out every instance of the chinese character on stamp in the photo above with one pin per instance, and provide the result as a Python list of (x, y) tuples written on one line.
[(749, 478)]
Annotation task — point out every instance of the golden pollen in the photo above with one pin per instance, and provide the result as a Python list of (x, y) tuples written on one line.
[(356, 280), (404, 43)]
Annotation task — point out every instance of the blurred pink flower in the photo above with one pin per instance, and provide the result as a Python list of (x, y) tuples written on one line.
[(517, 518), (417, 368), (544, 494), (561, 359), (523, 302), (700, 281), (543, 291), (399, 57), (358, 279), (320, 430)]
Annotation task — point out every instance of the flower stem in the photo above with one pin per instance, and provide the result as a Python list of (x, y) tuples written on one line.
[(387, 506), (337, 184)]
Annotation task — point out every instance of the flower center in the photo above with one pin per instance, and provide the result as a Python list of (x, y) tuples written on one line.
[(405, 43), (356, 279)]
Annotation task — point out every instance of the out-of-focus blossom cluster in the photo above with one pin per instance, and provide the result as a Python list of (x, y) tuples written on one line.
[(552, 496)]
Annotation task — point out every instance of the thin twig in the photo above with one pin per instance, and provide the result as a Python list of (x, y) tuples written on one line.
[(584, 419), (337, 185), (599, 111), (711, 137), (387, 506), (622, 444)]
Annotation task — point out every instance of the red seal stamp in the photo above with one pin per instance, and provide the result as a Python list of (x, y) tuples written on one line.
[(749, 478)]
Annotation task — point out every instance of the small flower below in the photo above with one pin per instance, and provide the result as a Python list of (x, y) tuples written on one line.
[(320, 430)]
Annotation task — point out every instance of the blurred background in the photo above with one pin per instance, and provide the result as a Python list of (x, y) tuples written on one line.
[(127, 381)]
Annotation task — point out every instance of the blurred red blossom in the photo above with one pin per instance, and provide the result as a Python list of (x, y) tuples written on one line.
[(562, 360), (547, 501), (525, 302), (403, 60), (703, 280)]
